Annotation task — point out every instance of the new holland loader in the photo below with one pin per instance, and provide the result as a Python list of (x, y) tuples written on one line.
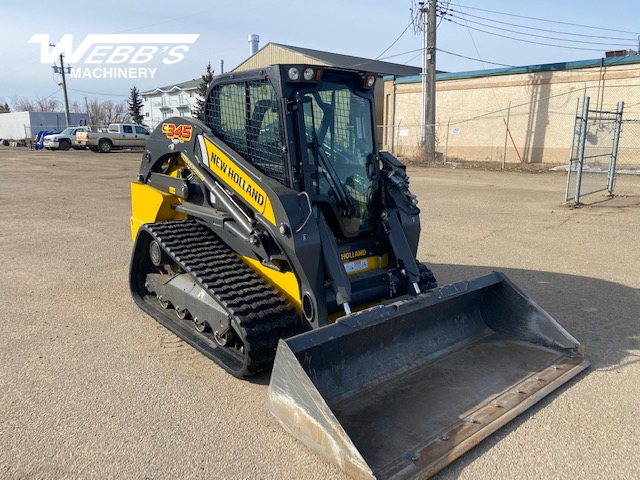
[(275, 235)]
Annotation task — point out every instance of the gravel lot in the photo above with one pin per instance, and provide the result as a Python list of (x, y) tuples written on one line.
[(92, 387)]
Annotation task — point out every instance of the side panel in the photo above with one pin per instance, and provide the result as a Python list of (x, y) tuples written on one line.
[(285, 282), (149, 205)]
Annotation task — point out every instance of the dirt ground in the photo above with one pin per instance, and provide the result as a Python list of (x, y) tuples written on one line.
[(92, 387)]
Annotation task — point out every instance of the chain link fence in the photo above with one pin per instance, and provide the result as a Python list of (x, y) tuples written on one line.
[(538, 131)]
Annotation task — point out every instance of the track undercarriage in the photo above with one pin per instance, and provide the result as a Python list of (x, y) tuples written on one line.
[(194, 285)]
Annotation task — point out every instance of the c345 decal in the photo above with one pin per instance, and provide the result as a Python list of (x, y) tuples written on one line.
[(179, 132)]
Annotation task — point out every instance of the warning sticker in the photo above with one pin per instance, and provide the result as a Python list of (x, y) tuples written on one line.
[(357, 265)]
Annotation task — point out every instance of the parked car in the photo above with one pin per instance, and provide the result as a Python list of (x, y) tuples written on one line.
[(63, 140), (118, 135)]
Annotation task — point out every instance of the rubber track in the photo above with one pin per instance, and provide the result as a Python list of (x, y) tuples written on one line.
[(263, 315)]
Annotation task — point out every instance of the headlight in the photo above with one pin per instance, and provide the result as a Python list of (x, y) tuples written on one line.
[(293, 73), (308, 74), (369, 81)]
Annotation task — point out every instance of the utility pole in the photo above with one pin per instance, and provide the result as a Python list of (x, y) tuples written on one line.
[(86, 103), (428, 111), (64, 87), (423, 111), (430, 143)]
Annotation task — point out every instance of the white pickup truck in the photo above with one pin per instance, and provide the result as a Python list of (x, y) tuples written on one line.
[(64, 140), (118, 135)]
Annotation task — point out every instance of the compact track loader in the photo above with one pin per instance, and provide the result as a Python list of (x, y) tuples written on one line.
[(275, 234)]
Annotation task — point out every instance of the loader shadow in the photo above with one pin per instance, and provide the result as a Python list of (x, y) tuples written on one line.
[(603, 316)]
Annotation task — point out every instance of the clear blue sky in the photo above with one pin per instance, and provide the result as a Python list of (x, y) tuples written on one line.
[(359, 28)]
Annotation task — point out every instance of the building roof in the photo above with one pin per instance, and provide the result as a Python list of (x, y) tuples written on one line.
[(357, 63), (545, 67), (188, 85), (323, 58)]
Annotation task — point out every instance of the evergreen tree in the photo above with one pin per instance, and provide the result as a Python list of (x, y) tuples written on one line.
[(135, 106), (207, 78), (5, 108)]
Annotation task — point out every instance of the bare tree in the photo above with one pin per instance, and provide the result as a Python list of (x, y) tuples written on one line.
[(103, 113), (76, 107), (22, 104), (114, 112), (37, 104), (47, 104)]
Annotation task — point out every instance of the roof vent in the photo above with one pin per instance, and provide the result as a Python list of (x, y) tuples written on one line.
[(620, 53)]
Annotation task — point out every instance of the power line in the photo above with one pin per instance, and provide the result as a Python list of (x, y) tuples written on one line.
[(539, 36), (475, 59), (395, 41), (544, 29), (400, 54), (98, 93), (549, 21), (472, 39), (525, 41), (49, 96)]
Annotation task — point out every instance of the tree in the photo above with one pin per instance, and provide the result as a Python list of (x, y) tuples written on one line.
[(207, 78), (135, 106), (4, 108), (26, 104), (103, 113)]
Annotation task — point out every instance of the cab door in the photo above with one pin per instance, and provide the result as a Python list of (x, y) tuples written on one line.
[(141, 136), (127, 137)]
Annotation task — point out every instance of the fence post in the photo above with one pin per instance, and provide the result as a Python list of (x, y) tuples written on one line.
[(506, 134), (446, 143), (614, 150), (581, 145), (573, 144)]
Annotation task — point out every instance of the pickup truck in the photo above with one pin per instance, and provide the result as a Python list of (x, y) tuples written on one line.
[(118, 135), (63, 140)]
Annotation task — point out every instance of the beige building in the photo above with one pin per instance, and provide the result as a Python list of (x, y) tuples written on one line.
[(180, 99), (538, 102), (274, 53)]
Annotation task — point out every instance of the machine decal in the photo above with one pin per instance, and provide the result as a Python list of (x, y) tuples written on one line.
[(179, 132), (355, 254), (357, 265), (191, 166), (221, 165)]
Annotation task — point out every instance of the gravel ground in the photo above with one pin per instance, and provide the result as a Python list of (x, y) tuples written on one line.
[(92, 387)]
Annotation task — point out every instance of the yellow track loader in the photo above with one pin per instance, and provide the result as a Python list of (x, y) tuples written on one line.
[(275, 235)]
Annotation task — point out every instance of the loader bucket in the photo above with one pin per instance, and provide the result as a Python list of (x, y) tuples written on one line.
[(402, 389)]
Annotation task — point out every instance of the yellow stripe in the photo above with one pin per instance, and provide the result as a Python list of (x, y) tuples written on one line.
[(233, 176)]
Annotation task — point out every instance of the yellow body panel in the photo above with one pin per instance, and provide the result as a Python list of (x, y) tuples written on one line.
[(285, 282), (149, 205), (239, 182)]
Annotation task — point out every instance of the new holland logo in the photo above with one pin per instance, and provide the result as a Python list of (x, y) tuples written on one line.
[(239, 181), (353, 255)]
